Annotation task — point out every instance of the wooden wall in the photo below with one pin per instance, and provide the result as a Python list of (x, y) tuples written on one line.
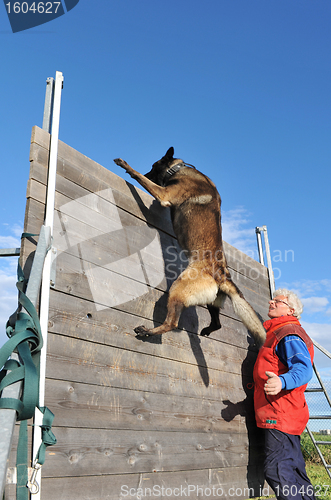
[(174, 411)]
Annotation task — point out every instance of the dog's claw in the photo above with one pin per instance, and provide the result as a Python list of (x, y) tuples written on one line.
[(141, 331)]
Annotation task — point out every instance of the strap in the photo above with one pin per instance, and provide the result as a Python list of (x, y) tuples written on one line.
[(25, 338), (28, 235), (47, 436), (22, 493)]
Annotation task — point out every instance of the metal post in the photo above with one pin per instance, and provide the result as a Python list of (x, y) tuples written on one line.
[(267, 251), (45, 288), (48, 108), (258, 231), (259, 244), (8, 417), (10, 252)]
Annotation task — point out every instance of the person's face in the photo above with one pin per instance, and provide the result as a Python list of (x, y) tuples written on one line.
[(279, 307)]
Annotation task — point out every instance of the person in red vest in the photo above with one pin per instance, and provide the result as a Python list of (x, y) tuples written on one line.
[(281, 373)]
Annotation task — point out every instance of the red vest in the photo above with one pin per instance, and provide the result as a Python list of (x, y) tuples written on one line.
[(288, 410)]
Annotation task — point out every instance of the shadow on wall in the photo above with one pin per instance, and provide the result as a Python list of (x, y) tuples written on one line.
[(245, 408)]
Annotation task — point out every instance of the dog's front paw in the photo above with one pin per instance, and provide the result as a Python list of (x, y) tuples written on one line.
[(142, 331), (122, 163)]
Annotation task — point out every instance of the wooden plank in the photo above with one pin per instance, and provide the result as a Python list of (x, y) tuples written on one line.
[(243, 264), (225, 483), (93, 452), (136, 201), (81, 361), (107, 288), (41, 137), (77, 318), (77, 448), (149, 307), (83, 405)]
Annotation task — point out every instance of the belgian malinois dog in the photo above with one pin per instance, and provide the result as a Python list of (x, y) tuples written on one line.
[(195, 206)]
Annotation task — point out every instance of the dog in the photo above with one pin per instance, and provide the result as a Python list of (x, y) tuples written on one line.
[(195, 206)]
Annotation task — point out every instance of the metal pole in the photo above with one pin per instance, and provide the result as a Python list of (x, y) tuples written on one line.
[(267, 251), (259, 244), (45, 287), (8, 417), (258, 231), (10, 252), (48, 108)]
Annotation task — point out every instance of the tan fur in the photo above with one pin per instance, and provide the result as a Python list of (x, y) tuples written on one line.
[(195, 210)]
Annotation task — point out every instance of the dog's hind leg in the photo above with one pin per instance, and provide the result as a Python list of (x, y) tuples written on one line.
[(214, 323), (214, 311), (190, 289), (175, 308)]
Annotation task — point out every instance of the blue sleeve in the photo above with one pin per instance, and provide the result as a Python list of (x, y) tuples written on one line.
[(293, 353)]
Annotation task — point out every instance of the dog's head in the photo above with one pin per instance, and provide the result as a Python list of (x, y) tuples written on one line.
[(160, 168)]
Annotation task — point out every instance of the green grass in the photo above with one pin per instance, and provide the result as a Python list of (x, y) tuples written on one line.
[(309, 451), (320, 480), (315, 468)]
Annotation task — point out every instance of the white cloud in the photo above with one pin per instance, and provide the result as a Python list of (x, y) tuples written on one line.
[(315, 296), (17, 230), (9, 242), (314, 304), (236, 234), (321, 332), (311, 287)]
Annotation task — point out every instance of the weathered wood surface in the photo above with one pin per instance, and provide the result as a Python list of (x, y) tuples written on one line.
[(87, 405), (178, 404), (215, 484)]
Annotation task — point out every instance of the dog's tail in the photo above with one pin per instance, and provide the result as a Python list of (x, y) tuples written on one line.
[(245, 311)]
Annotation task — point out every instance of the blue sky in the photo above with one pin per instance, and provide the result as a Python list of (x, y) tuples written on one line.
[(240, 88)]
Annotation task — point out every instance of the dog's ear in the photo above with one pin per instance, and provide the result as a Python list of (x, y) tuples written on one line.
[(170, 153)]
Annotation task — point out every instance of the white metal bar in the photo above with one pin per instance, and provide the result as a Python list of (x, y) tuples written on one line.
[(45, 287), (321, 348), (267, 251), (263, 230), (259, 244)]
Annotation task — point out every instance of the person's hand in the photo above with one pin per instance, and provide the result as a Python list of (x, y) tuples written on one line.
[(273, 385)]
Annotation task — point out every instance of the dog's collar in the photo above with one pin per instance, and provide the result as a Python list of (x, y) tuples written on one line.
[(174, 169)]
